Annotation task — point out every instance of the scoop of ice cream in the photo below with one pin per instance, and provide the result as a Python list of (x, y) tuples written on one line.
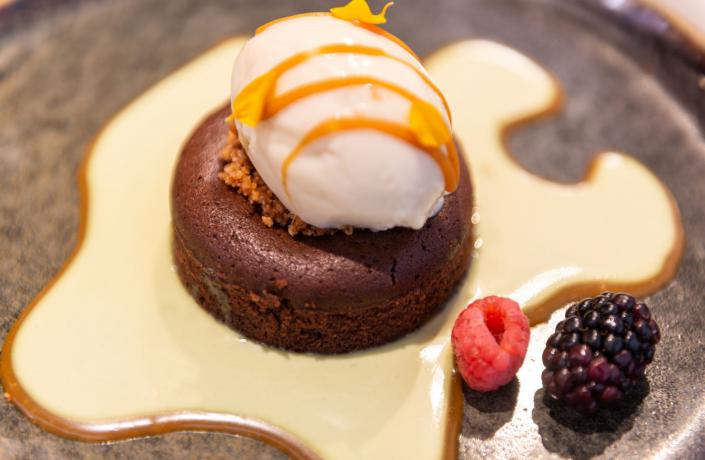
[(317, 74)]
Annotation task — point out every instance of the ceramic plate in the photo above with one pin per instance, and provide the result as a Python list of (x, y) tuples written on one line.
[(634, 82)]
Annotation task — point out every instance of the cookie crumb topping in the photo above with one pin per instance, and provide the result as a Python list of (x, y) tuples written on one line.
[(240, 173)]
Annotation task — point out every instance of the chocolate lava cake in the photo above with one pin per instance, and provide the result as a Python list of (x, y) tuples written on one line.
[(333, 293)]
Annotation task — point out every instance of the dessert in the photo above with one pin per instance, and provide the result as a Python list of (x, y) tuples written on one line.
[(133, 355), (339, 138)]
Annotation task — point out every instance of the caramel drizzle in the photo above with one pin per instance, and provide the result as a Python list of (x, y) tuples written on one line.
[(370, 27), (268, 80), (404, 133), (279, 103), (450, 169)]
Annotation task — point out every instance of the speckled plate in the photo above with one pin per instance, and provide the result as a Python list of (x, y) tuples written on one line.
[(633, 83)]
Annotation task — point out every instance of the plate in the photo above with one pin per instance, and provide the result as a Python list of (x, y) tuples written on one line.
[(633, 83)]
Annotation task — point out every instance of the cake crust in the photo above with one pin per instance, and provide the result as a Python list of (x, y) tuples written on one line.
[(325, 294)]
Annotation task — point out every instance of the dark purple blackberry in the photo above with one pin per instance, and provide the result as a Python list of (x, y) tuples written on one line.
[(599, 351)]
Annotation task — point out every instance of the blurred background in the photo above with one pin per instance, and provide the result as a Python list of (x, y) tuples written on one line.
[(692, 11)]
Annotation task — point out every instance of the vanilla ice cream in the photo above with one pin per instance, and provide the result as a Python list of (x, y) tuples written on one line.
[(364, 178)]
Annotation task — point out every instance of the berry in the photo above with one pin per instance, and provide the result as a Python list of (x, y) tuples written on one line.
[(599, 351), (490, 338)]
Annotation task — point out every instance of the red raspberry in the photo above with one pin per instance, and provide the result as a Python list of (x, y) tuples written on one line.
[(490, 338)]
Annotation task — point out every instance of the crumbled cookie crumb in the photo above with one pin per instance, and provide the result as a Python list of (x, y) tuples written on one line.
[(240, 173), (281, 283)]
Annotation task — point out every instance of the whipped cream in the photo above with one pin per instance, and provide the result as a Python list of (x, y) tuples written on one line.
[(363, 178)]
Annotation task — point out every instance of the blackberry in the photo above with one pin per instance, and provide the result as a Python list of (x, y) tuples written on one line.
[(599, 351)]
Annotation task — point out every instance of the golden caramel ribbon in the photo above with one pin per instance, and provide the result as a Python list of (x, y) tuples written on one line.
[(428, 124), (250, 104)]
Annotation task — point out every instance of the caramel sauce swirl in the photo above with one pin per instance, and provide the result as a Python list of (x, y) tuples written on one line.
[(249, 104), (279, 103)]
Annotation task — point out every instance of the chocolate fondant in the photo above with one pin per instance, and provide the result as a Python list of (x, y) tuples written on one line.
[(327, 294)]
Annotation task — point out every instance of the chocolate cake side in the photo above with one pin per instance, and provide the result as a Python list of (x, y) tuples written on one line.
[(327, 294)]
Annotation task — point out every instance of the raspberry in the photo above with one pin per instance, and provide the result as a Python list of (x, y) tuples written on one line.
[(599, 351), (489, 339)]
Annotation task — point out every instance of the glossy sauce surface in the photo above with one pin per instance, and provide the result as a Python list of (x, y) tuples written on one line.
[(117, 340)]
